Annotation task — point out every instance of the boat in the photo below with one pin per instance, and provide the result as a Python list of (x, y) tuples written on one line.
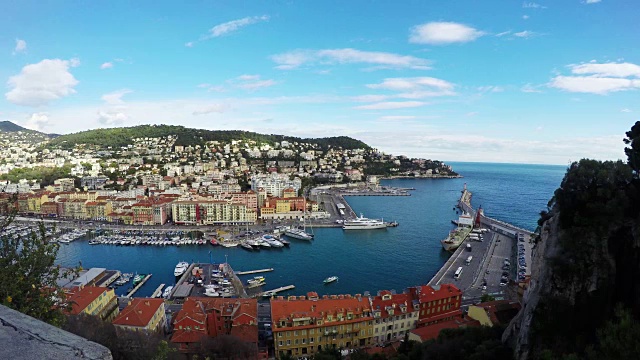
[(138, 279), (211, 292), (284, 242), (213, 242), (246, 246), (181, 268), (457, 236), (256, 284), (393, 224), (298, 234), (94, 242), (167, 292), (256, 279), (363, 223), (330, 279)]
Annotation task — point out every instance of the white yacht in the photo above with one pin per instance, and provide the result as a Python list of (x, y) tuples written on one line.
[(167, 292), (298, 234), (181, 268), (362, 223)]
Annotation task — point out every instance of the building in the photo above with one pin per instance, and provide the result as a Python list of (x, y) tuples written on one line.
[(211, 317), (303, 325), (274, 184), (66, 184), (142, 314), (93, 300), (437, 303), (209, 212), (494, 312), (395, 315), (431, 332)]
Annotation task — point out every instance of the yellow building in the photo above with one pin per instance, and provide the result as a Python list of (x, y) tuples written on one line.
[(33, 203), (97, 210), (302, 326), (74, 209), (142, 314), (94, 300), (210, 212)]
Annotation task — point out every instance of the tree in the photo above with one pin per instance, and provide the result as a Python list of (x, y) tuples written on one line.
[(28, 274), (633, 151), (486, 298)]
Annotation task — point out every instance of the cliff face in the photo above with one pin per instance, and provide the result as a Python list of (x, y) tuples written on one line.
[(584, 264)]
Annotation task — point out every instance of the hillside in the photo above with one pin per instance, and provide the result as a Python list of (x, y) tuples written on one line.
[(583, 300), (118, 137), (8, 126)]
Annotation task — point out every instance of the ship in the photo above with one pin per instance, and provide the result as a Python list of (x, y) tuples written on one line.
[(330, 279), (298, 234), (362, 223), (181, 268), (457, 236)]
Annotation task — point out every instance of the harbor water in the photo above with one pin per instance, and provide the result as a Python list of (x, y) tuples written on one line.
[(369, 260)]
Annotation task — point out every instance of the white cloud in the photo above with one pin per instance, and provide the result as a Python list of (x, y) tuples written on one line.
[(528, 88), (524, 34), (74, 62), (189, 44), (40, 83), (599, 78), (21, 46), (107, 65), (115, 98), (439, 33), (593, 1), (532, 5), (225, 28), (37, 121), (607, 69), (397, 117), (508, 32), (594, 85), (391, 105), (490, 88), (403, 84), (625, 110), (255, 85), (370, 98), (525, 17), (297, 58), (112, 118), (248, 77), (212, 108)]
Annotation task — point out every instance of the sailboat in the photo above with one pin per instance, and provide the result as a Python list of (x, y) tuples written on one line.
[(297, 233)]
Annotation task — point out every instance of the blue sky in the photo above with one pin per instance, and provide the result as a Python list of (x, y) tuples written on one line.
[(498, 81)]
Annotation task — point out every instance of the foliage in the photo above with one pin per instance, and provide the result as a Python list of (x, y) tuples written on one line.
[(633, 151), (486, 298), (118, 137), (124, 344), (47, 175), (28, 275), (226, 347)]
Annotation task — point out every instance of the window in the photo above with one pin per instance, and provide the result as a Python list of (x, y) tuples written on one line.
[(311, 332), (304, 341), (280, 343), (288, 342), (311, 340)]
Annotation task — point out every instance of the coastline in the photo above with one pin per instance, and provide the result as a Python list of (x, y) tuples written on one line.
[(422, 177)]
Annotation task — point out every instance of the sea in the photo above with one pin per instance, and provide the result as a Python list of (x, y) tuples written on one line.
[(371, 260)]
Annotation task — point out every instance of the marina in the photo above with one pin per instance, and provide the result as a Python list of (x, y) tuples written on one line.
[(138, 284), (158, 292)]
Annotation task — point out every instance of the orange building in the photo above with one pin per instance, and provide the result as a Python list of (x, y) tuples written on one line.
[(303, 325), (94, 300), (142, 314), (211, 317), (437, 303)]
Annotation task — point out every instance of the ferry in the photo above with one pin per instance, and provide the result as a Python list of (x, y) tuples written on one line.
[(330, 279), (167, 292), (181, 268), (362, 223), (298, 234), (457, 236)]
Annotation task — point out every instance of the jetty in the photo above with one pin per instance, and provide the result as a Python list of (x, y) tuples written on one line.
[(275, 291), (133, 291), (253, 271), (158, 292)]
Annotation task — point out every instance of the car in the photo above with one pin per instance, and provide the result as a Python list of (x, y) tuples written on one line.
[(504, 273), (503, 284), (484, 287)]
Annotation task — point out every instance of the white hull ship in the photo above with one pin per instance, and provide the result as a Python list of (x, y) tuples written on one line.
[(298, 234), (362, 223), (181, 268)]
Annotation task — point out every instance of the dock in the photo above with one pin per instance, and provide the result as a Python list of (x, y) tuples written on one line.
[(130, 294), (275, 291), (253, 271), (109, 277), (158, 292)]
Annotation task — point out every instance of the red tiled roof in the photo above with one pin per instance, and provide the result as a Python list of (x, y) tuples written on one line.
[(396, 302), (82, 298), (285, 309), (432, 331), (427, 293), (139, 312)]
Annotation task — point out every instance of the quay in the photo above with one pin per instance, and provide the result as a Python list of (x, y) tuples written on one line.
[(480, 262), (158, 292), (133, 291), (277, 290), (241, 292), (253, 271), (109, 277)]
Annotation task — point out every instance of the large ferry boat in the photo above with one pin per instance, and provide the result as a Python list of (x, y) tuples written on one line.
[(181, 268), (362, 223), (457, 236), (298, 234)]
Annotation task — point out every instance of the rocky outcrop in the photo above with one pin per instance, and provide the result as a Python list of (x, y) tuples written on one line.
[(23, 337), (518, 332)]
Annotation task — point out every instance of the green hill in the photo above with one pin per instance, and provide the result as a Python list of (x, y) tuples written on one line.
[(8, 126), (117, 137)]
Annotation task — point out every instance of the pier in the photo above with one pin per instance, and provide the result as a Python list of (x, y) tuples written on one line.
[(109, 277), (253, 271), (275, 291), (235, 280), (130, 294), (158, 292)]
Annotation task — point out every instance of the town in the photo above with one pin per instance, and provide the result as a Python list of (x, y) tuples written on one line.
[(153, 180)]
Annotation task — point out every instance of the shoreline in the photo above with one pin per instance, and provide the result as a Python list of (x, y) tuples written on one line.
[(393, 177)]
